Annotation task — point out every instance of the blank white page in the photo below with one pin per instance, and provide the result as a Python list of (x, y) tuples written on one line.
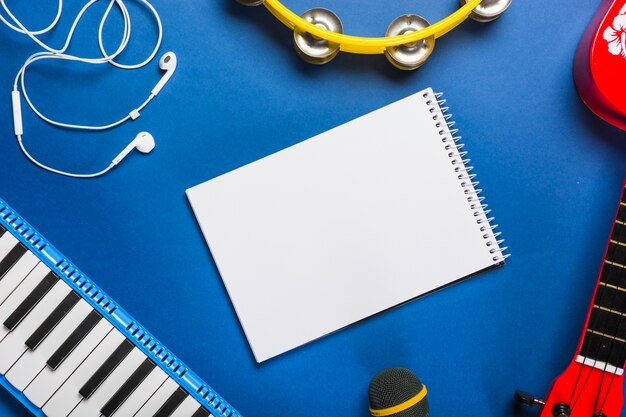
[(342, 226)]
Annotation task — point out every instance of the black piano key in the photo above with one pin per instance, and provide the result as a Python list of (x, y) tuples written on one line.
[(172, 403), (127, 388), (2, 230), (52, 320), (74, 340), (31, 301), (11, 259), (106, 368), (201, 412)]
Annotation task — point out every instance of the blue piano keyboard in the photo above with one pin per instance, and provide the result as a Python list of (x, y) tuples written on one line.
[(68, 350)]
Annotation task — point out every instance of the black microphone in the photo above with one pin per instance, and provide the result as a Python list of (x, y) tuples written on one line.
[(397, 392)]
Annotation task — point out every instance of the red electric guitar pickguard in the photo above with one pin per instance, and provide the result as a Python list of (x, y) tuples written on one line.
[(600, 63), (592, 384)]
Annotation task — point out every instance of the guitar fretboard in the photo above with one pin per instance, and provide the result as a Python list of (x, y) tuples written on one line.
[(604, 340)]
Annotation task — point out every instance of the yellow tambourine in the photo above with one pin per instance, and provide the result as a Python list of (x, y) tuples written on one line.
[(409, 41)]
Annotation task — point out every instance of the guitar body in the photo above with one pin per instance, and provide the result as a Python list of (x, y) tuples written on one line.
[(600, 63)]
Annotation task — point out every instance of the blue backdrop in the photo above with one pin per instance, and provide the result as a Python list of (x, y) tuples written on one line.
[(551, 172)]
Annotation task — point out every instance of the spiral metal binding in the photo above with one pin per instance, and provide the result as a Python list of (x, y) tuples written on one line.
[(458, 158)]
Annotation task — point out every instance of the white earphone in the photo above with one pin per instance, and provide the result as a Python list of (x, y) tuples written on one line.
[(143, 142), (168, 64)]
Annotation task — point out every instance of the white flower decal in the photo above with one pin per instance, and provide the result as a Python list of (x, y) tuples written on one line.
[(615, 35)]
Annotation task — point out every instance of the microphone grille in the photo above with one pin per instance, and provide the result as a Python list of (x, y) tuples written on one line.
[(394, 386)]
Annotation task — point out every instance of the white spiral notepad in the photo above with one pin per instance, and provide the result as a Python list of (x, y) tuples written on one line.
[(347, 224)]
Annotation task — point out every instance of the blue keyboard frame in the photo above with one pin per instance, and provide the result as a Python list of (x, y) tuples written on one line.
[(116, 315)]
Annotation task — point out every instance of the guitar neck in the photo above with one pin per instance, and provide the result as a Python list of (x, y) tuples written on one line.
[(604, 339)]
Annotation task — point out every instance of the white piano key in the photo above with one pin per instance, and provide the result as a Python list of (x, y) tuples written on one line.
[(20, 293), (49, 380), (143, 392), (12, 346), (91, 406), (158, 399), (67, 397), (33, 361), (16, 274), (187, 408), (7, 242)]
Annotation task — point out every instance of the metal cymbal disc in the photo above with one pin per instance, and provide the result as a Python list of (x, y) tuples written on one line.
[(411, 56), (315, 50), (250, 2), (488, 10)]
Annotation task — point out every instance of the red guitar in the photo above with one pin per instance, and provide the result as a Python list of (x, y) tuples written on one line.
[(592, 385), (600, 63)]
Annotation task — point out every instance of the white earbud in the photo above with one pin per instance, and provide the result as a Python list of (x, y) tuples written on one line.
[(168, 64), (143, 142)]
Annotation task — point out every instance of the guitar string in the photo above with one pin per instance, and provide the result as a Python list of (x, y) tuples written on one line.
[(612, 339), (623, 349), (605, 327), (612, 344), (582, 388), (606, 394), (592, 325), (592, 322), (572, 401), (604, 372)]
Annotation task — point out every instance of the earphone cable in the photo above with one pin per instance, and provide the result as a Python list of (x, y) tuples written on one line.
[(56, 171), (49, 53), (106, 58), (36, 32)]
